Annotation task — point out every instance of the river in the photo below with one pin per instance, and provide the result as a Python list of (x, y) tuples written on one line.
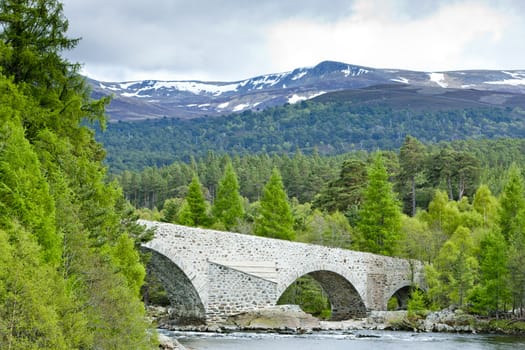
[(356, 340)]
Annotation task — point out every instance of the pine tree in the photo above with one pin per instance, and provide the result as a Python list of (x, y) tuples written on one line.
[(493, 293), (516, 267), (331, 230), (228, 207), (35, 32), (380, 214), (171, 209), (184, 215), (345, 193), (512, 224), (452, 277), (443, 215), (512, 203), (196, 204), (486, 204), (411, 160), (275, 218)]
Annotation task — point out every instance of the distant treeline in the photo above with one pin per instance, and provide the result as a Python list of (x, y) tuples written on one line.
[(304, 176)]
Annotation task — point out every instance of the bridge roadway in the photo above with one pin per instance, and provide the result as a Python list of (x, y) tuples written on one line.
[(210, 275)]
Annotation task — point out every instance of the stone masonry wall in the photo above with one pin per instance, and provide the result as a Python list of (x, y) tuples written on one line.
[(231, 291)]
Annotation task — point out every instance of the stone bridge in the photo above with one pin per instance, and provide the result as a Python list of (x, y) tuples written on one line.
[(210, 275)]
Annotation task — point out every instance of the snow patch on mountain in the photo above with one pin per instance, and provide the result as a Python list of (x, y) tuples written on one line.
[(134, 94), (299, 75), (267, 80), (518, 78), (126, 85), (353, 72), (196, 88), (137, 88), (400, 80), (298, 98), (240, 107), (223, 105), (107, 87), (438, 78)]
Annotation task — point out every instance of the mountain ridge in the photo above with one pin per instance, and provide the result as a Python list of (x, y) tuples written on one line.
[(187, 99)]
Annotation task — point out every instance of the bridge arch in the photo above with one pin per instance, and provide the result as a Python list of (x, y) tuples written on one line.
[(186, 301), (402, 293), (345, 300)]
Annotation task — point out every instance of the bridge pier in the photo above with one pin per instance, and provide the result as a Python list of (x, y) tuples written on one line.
[(185, 301), (232, 291)]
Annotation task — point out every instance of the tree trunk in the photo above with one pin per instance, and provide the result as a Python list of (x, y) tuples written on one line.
[(461, 187), (413, 196), (449, 184)]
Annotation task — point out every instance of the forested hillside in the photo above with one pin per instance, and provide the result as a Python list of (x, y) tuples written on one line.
[(70, 275), (456, 206), (327, 127)]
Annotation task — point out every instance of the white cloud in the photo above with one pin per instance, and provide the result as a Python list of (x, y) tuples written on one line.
[(237, 39), (371, 37)]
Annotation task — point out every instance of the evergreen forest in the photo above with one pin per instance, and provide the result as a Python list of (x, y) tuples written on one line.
[(459, 207), (70, 273)]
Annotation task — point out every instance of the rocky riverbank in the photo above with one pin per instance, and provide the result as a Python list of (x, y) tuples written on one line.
[(167, 343), (291, 319)]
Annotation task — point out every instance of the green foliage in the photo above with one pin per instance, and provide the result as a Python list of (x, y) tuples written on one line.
[(512, 203), (196, 204), (70, 274), (330, 230), (392, 304), (516, 265), (185, 216), (493, 293), (31, 297), (275, 218), (443, 214), (416, 304), (170, 210), (154, 292), (412, 156), (380, 215), (435, 291), (456, 269), (35, 33), (457, 171), (487, 205), (345, 193), (309, 295), (127, 260), (419, 242), (24, 191), (228, 207)]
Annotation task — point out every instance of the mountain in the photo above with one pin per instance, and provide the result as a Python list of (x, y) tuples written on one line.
[(153, 99)]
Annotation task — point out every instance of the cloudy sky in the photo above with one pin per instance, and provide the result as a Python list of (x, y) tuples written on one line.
[(228, 40)]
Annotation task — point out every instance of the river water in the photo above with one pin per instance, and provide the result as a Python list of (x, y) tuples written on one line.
[(356, 340)]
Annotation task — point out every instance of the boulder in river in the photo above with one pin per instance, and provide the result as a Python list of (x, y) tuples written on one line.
[(283, 318)]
